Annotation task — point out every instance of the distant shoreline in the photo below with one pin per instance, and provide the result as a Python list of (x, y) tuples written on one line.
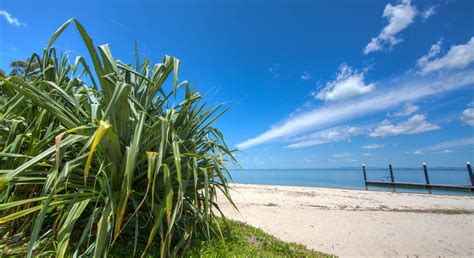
[(348, 178), (385, 190), (359, 168), (467, 194)]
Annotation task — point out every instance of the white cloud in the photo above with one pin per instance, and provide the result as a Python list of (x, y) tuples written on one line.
[(326, 136), (406, 110), (374, 45), (348, 83), (413, 125), (428, 12), (468, 116), (399, 17), (418, 152), (338, 160), (405, 89), (448, 151), (343, 155), (305, 160), (342, 160), (306, 76), (275, 70), (366, 154), (373, 146), (458, 57), (258, 161), (434, 51), (449, 145), (10, 19)]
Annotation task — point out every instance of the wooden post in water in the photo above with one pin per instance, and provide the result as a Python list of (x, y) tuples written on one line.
[(469, 170), (391, 173), (365, 174), (425, 171)]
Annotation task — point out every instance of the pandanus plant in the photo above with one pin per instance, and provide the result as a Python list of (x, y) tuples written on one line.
[(90, 155)]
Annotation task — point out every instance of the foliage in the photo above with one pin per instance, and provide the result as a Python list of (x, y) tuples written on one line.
[(89, 155), (19, 68), (239, 240)]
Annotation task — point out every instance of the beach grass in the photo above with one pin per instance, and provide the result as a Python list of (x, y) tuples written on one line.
[(240, 240), (243, 240)]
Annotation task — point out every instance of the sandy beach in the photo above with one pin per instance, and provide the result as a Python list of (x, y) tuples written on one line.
[(359, 223)]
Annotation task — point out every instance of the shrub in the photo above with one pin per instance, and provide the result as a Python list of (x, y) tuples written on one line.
[(90, 155)]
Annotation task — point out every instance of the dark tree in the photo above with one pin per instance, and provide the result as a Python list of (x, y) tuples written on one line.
[(18, 68)]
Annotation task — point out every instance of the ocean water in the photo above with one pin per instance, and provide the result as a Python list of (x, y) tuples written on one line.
[(352, 178)]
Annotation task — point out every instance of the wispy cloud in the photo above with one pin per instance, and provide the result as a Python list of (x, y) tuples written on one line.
[(348, 83), (406, 110), (449, 145), (326, 136), (405, 89), (458, 57), (305, 160), (434, 51), (399, 17), (306, 76), (447, 151), (373, 146), (342, 157), (428, 12), (10, 19), (413, 125), (274, 70)]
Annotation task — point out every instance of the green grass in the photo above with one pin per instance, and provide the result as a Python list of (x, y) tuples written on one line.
[(240, 240), (246, 241)]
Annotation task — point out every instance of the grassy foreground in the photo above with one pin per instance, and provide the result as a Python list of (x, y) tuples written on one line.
[(240, 240), (247, 241)]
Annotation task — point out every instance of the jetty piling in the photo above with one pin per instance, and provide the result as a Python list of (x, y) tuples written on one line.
[(469, 170), (427, 184), (365, 174), (392, 178), (425, 171)]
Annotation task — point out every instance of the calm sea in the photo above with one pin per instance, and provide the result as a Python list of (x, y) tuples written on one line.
[(352, 178)]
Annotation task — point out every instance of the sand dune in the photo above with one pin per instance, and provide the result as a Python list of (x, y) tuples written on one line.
[(359, 223)]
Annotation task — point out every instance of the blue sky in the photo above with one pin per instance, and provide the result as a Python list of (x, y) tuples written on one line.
[(317, 84)]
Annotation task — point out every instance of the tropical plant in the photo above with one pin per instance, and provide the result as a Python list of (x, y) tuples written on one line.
[(90, 157)]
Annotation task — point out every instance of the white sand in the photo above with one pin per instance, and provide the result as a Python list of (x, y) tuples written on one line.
[(359, 223)]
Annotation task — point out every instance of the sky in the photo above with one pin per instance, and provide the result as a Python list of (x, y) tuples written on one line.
[(312, 83)]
